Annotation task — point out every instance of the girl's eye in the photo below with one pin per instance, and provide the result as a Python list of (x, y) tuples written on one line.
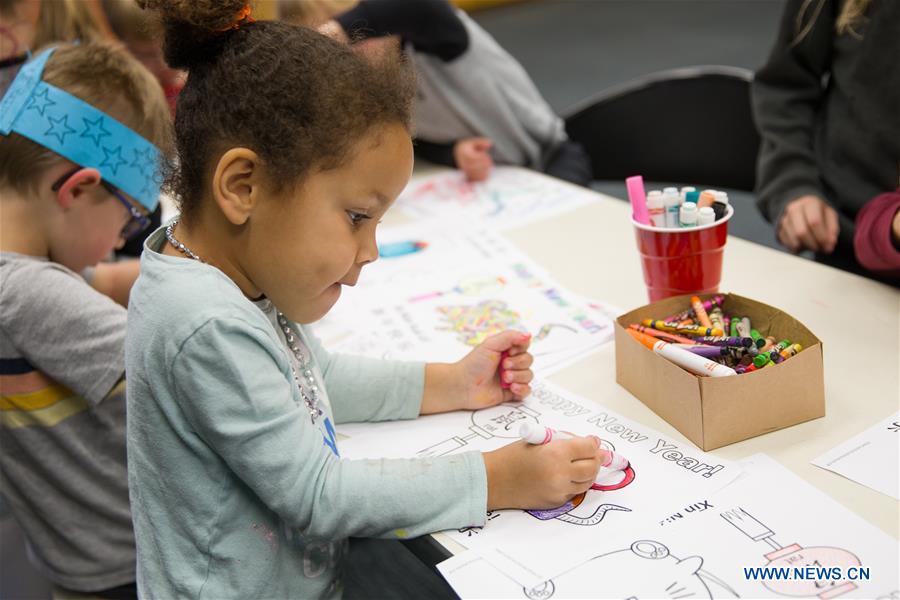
[(356, 218)]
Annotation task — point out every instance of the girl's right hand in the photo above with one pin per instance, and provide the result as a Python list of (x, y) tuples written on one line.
[(529, 476)]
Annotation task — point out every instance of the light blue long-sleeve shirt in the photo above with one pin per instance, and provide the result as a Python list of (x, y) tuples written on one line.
[(235, 491)]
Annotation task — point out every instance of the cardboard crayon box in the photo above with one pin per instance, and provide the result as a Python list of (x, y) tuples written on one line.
[(716, 411)]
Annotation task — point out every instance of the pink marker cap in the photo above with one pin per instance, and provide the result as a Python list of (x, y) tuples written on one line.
[(638, 199)]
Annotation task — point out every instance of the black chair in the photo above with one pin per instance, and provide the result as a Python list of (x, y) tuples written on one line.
[(689, 125)]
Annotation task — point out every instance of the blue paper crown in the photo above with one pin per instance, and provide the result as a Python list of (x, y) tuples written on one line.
[(74, 129)]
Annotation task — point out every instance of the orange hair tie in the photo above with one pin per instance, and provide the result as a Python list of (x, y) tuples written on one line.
[(241, 18)]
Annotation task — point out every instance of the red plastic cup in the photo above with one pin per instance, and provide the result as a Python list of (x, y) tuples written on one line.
[(678, 261)]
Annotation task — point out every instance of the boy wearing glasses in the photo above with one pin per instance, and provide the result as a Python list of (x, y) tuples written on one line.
[(81, 129)]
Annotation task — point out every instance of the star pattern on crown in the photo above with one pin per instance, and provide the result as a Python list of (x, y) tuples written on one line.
[(59, 128), (143, 160), (94, 129), (112, 158), (40, 102)]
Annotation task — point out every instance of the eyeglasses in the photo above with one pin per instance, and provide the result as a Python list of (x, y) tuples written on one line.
[(136, 224)]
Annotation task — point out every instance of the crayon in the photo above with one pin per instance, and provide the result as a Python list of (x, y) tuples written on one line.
[(725, 341), (688, 330), (743, 327), (734, 323), (663, 335), (770, 343), (757, 338), (791, 350), (715, 318), (700, 312), (707, 305), (773, 355), (711, 352)]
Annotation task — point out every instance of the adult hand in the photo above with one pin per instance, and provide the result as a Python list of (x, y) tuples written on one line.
[(473, 158), (808, 223)]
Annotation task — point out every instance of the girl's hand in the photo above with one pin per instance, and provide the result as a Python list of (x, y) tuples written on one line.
[(479, 371), (527, 476)]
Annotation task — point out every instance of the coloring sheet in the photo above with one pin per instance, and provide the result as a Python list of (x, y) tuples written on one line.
[(438, 303), (511, 197), (717, 546), (662, 474), (871, 458)]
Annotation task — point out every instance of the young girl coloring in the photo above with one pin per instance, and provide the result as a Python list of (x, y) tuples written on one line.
[(291, 148)]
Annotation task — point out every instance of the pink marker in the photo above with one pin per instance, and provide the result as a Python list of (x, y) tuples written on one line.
[(540, 435), (638, 199), (504, 384)]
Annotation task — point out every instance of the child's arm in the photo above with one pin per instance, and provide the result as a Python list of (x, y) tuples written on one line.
[(368, 389), (115, 279), (63, 328), (431, 26), (234, 386)]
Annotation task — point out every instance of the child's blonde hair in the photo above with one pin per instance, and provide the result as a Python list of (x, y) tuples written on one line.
[(130, 21), (107, 78), (59, 20)]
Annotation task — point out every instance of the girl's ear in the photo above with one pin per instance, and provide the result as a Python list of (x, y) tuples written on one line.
[(237, 184), (77, 186)]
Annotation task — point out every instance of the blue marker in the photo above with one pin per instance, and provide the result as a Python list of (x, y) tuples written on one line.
[(396, 249)]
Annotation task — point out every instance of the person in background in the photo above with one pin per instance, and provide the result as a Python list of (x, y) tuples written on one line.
[(28, 25), (476, 106), (826, 105), (31, 24), (142, 36), (877, 238), (80, 130)]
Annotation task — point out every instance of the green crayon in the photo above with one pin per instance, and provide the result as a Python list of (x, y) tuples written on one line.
[(757, 338)]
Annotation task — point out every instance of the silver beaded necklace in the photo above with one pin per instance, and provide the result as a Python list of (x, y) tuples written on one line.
[(310, 394)]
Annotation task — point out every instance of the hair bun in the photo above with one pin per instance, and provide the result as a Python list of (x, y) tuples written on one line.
[(195, 30)]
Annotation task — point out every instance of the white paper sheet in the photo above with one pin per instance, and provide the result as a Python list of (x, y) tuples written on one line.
[(768, 517), (511, 197), (662, 473), (871, 458), (437, 304)]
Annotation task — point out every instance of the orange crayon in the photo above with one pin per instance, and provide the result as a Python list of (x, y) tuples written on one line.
[(700, 312), (663, 335)]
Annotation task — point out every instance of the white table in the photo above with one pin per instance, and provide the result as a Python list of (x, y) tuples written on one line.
[(592, 251)]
